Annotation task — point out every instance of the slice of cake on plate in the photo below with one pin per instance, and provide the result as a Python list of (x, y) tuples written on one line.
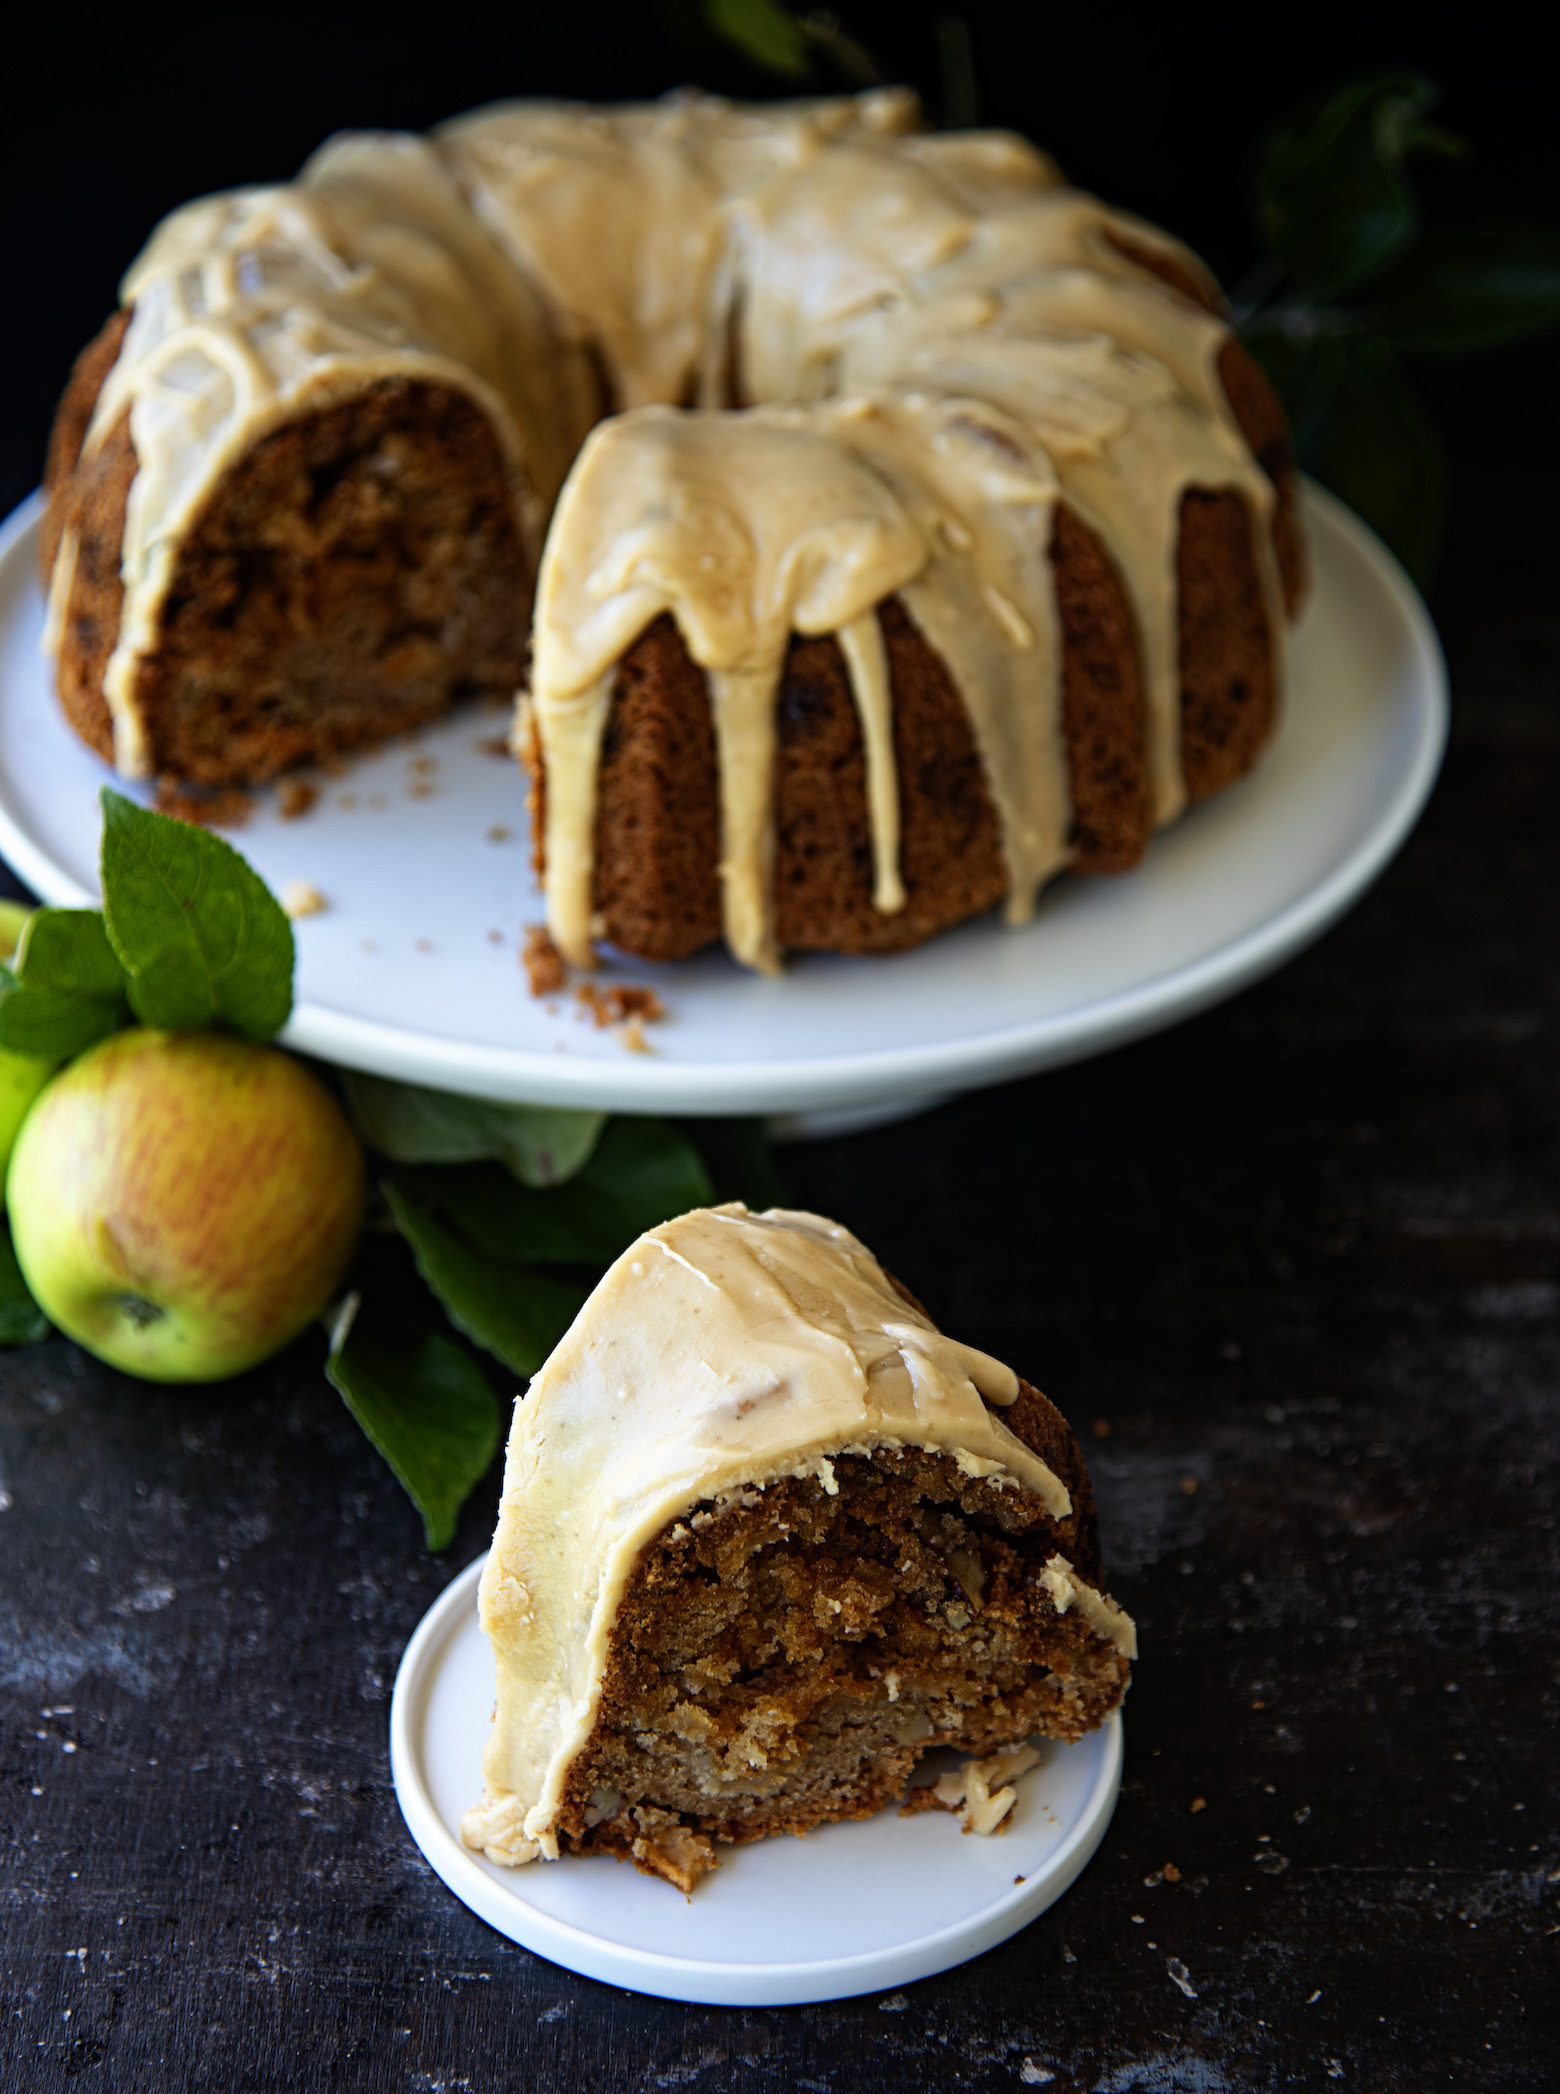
[(767, 1536)]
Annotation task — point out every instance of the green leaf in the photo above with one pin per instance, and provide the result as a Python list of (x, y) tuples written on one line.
[(428, 1409), (13, 916), (516, 1315), (1471, 288), (67, 989), (767, 34), (22, 1322), (739, 1159), (1377, 448), (201, 936), (1306, 354), (1332, 195), (643, 1172), (541, 1144)]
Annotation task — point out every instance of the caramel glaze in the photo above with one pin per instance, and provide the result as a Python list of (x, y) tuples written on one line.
[(868, 379), (722, 1352)]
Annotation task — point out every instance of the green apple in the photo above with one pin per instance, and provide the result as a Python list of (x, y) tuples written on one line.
[(22, 1076), (184, 1203)]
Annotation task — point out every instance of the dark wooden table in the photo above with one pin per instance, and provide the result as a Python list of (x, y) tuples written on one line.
[(1292, 1269)]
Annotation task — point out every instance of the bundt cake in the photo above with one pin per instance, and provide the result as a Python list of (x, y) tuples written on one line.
[(904, 526), (766, 1538)]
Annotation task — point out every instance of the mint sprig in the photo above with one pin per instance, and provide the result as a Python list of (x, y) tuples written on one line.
[(188, 936)]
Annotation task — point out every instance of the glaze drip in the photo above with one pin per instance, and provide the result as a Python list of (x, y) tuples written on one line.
[(935, 341)]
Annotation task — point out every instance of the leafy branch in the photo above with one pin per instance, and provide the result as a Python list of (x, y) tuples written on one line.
[(1351, 286)]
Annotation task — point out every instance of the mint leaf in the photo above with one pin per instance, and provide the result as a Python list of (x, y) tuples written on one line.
[(1471, 288), (540, 1144), (22, 1322), (1332, 196), (516, 1315), (643, 1172), (66, 989), (201, 936), (426, 1407)]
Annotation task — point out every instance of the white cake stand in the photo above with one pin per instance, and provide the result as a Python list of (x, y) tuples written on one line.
[(421, 853)]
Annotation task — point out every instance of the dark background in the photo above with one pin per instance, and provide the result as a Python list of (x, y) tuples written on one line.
[(1302, 1254)]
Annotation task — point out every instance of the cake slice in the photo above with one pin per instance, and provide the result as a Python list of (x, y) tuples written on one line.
[(767, 1537)]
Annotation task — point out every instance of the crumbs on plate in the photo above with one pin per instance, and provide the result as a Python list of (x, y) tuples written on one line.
[(222, 807), (303, 898), (542, 961)]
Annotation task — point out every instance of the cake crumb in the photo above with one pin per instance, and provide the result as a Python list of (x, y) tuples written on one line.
[(347, 801), (303, 898), (1199, 1803), (420, 789), (981, 1791), (495, 937), (224, 807), (1171, 1873), (499, 832), (634, 1036), (671, 1850), (1101, 1428), (493, 745), (295, 797), (1188, 1486), (619, 1002), (542, 961), (424, 944)]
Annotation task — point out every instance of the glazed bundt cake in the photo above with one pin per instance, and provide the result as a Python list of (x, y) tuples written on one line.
[(766, 1538), (905, 527)]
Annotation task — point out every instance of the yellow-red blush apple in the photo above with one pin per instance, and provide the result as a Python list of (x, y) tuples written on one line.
[(184, 1203)]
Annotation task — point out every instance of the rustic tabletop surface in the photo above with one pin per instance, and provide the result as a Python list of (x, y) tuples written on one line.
[(1293, 1271)]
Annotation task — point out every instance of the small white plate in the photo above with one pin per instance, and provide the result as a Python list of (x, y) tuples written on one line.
[(412, 970), (851, 1908)]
